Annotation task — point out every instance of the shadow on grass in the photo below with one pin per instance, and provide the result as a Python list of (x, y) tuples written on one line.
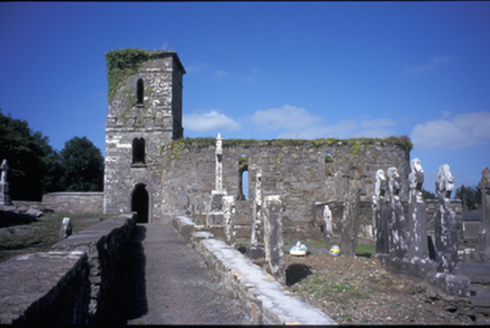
[(296, 272)]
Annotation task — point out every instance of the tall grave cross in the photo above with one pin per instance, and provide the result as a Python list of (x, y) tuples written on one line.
[(215, 217), (5, 198)]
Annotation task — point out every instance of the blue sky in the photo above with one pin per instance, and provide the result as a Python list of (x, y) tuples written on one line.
[(266, 70)]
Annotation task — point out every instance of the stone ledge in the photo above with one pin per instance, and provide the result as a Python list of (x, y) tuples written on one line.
[(56, 287), (261, 296), (31, 284)]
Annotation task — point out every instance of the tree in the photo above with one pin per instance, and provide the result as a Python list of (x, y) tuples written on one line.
[(34, 165), (428, 195), (469, 196), (83, 166)]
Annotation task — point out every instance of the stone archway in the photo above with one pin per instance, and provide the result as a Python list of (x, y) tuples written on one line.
[(140, 203)]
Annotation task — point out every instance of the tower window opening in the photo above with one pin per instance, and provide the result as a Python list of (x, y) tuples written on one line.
[(140, 92), (138, 151), (328, 165)]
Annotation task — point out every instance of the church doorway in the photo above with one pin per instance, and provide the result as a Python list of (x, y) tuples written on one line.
[(140, 203)]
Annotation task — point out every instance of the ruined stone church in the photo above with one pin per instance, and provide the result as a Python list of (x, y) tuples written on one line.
[(152, 169)]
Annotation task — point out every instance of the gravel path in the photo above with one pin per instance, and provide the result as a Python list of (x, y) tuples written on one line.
[(177, 287)]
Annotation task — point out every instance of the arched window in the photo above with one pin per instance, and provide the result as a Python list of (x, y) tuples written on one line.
[(243, 177), (140, 92), (138, 151)]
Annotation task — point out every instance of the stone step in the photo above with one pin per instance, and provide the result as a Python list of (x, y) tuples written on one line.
[(480, 301)]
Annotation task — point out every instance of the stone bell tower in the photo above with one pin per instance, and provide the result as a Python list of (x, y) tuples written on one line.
[(145, 112)]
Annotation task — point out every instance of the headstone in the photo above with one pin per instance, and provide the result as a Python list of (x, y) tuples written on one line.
[(230, 220), (445, 230), (66, 229), (215, 216), (273, 237), (380, 213), (350, 220), (484, 247), (219, 162), (5, 198), (257, 211), (397, 241), (417, 215), (327, 217)]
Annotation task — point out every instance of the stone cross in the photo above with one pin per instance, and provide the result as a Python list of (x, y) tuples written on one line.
[(327, 217), (350, 220), (396, 225), (485, 217), (380, 218), (417, 215), (4, 169), (273, 237), (215, 216), (5, 198), (446, 236), (230, 220), (257, 210), (219, 163)]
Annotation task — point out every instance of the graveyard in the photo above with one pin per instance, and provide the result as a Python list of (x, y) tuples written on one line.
[(401, 260)]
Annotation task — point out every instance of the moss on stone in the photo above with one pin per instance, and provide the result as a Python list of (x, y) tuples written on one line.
[(402, 142), (123, 63)]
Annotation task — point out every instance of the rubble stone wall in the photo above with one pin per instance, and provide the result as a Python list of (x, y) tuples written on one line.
[(74, 202), (295, 170), (71, 284), (262, 299)]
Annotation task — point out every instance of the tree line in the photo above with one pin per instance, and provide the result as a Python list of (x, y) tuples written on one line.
[(470, 196), (35, 168)]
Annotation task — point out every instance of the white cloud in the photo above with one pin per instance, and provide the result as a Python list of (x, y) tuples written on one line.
[(208, 122), (462, 131), (221, 73), (296, 122), (287, 117), (191, 69), (431, 64)]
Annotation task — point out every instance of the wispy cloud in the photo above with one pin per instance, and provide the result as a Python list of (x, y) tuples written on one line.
[(210, 122), (191, 69), (436, 61), (296, 122), (286, 117), (221, 74), (461, 131)]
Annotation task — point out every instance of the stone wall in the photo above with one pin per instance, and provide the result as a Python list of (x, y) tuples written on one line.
[(74, 202), (294, 169), (71, 284), (263, 300)]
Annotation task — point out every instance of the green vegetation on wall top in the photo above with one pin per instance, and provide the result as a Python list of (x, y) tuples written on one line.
[(123, 63), (403, 142)]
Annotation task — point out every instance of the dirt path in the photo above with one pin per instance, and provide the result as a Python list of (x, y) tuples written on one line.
[(178, 287)]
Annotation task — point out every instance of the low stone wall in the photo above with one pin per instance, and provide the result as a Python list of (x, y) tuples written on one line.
[(70, 285), (75, 202), (262, 298)]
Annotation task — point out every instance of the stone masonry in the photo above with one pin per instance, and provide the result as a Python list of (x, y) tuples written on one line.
[(152, 170)]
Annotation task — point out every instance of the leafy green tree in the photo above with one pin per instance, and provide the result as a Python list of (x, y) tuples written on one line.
[(34, 165), (83, 166), (427, 194), (469, 196)]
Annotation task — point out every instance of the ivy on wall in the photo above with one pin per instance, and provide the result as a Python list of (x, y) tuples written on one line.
[(123, 63)]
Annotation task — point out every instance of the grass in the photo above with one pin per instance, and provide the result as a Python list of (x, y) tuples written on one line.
[(43, 236)]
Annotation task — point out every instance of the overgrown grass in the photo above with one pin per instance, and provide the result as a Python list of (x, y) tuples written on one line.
[(43, 235)]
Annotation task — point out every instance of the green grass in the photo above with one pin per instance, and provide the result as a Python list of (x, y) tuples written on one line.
[(44, 235)]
